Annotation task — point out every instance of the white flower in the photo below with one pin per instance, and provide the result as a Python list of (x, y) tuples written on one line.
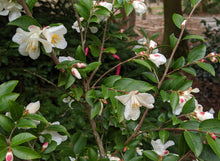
[(142, 42), (11, 8), (139, 151), (200, 115), (133, 101), (152, 44), (139, 6), (106, 5), (65, 58), (68, 100), (72, 159), (93, 29), (29, 42), (76, 73), (76, 25), (183, 23), (160, 148), (33, 107), (55, 135), (112, 158), (55, 36), (158, 59)]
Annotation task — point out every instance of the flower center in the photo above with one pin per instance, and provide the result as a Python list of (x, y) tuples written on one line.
[(32, 46), (55, 39)]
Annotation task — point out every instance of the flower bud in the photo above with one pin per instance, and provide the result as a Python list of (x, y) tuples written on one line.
[(86, 51), (33, 107), (213, 58), (9, 156), (45, 145), (122, 30), (76, 73), (213, 136), (80, 65), (183, 23), (152, 44)]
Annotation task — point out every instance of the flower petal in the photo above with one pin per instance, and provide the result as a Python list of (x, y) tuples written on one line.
[(146, 100)]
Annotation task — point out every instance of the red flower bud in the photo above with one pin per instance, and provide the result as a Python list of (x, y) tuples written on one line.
[(213, 136), (9, 156)]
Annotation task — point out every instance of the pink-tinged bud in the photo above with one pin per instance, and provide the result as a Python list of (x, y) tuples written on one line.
[(122, 30), (166, 152), (125, 148), (152, 44), (76, 73), (213, 136), (118, 70), (86, 51), (116, 56), (142, 53), (9, 156), (181, 100), (183, 23), (203, 60), (45, 145), (33, 107), (213, 58), (80, 65)]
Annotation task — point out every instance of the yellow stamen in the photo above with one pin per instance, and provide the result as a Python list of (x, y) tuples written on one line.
[(55, 39)]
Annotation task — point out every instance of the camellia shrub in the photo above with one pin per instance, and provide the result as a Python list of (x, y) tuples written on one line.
[(118, 118)]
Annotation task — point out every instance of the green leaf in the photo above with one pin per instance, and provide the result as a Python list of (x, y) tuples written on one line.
[(210, 125), (90, 97), (36, 117), (69, 80), (79, 144), (178, 19), (58, 128), (174, 100), (95, 109), (131, 84), (179, 62), (190, 125), (8, 87), (150, 76), (3, 152), (194, 37), (3, 141), (189, 106), (109, 82), (173, 41), (165, 95), (101, 10), (80, 55), (25, 123), (82, 10), (30, 4), (6, 123), (186, 85), (164, 135), (120, 111), (196, 54), (151, 155), (153, 36), (175, 120), (61, 79), (51, 147), (190, 70), (194, 2), (139, 158), (90, 67), (194, 142), (143, 32), (93, 156), (105, 91), (22, 138), (16, 110), (128, 8), (95, 51), (24, 22), (214, 144), (208, 153), (142, 62), (170, 157), (208, 67), (78, 92), (111, 50), (87, 3), (5, 98), (24, 153)]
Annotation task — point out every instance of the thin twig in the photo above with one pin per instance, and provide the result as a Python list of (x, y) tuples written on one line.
[(25, 7)]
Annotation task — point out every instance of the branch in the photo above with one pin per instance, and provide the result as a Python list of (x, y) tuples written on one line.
[(25, 7)]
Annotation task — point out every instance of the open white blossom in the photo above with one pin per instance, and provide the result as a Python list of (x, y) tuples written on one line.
[(76, 25), (200, 115), (152, 44), (139, 151), (10, 8), (55, 135), (139, 6), (55, 36), (33, 107), (132, 101), (160, 148), (29, 42), (158, 59)]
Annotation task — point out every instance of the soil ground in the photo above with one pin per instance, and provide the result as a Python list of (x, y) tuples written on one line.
[(153, 23)]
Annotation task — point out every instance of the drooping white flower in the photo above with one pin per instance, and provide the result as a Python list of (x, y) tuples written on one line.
[(76, 25), (132, 101), (160, 148), (200, 115), (55, 135), (10, 8), (158, 59), (139, 151), (33, 107), (55, 36), (29, 42), (139, 6)]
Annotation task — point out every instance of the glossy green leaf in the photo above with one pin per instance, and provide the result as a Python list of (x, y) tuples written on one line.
[(90, 97), (189, 106), (93, 156), (194, 2), (165, 95), (8, 87), (190, 70), (111, 50), (208, 153), (175, 120), (5, 98), (173, 41), (24, 153), (16, 110), (120, 111), (128, 8), (179, 62), (36, 117), (190, 125), (143, 32), (105, 91), (95, 51), (186, 85), (80, 144), (210, 125), (30, 4), (164, 135), (70, 79), (90, 67), (80, 55), (214, 144), (22, 138), (87, 3), (58, 128), (24, 22), (153, 36), (82, 10), (61, 79), (109, 82), (170, 157), (95, 109), (142, 62), (51, 147), (101, 10), (178, 19), (196, 53), (208, 67), (174, 100), (3, 152), (78, 92), (194, 37), (6, 123), (194, 142), (3, 141), (150, 76), (151, 155), (26, 123)]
